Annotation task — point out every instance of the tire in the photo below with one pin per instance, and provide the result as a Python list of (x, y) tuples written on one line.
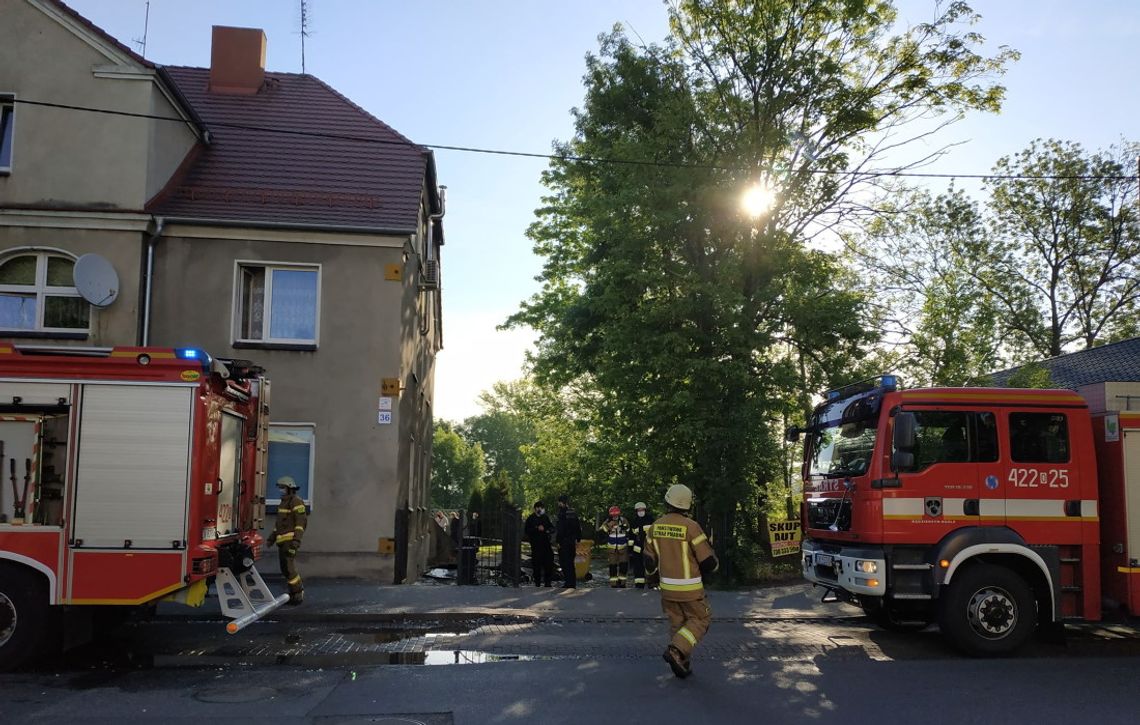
[(24, 615), (891, 620), (987, 610)]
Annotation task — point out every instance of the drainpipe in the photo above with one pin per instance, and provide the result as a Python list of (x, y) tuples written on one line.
[(432, 219), (148, 277)]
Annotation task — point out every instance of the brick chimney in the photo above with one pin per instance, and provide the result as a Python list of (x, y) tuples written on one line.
[(237, 60)]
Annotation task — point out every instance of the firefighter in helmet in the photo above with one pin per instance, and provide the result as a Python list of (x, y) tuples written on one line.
[(680, 551), (616, 529), (292, 517), (639, 528)]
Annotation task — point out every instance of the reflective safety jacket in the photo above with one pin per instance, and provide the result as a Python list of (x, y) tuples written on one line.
[(617, 533), (292, 517), (678, 546), (638, 531)]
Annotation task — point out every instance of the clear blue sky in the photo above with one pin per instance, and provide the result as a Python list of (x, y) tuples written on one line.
[(505, 74)]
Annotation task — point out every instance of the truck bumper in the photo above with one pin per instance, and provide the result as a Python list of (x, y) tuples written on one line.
[(856, 570)]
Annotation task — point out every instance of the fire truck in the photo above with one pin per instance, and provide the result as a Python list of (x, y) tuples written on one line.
[(129, 476), (993, 512)]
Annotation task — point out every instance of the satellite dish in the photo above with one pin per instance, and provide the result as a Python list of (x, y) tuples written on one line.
[(96, 280)]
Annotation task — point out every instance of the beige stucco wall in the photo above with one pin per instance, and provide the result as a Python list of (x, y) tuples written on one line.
[(115, 324), (73, 159), (361, 466), (1122, 396)]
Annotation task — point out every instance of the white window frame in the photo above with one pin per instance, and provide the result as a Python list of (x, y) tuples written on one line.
[(41, 290), (266, 323), (8, 100), (272, 485)]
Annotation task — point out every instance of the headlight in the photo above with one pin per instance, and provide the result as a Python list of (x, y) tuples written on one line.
[(867, 567)]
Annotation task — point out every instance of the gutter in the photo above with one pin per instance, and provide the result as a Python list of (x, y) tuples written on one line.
[(250, 224), (148, 280)]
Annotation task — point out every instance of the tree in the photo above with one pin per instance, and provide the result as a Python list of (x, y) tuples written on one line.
[(1062, 257), (457, 467), (692, 323), (919, 262), (502, 432)]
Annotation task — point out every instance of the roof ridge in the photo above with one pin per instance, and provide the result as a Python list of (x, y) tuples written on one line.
[(103, 34)]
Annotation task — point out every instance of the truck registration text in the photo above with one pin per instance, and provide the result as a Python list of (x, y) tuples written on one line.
[(1033, 478)]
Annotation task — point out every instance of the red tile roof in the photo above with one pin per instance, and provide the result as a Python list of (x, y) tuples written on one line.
[(326, 163)]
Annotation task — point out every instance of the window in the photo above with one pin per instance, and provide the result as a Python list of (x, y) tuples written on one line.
[(7, 132), (278, 304), (291, 448), (954, 437), (37, 293), (1038, 438)]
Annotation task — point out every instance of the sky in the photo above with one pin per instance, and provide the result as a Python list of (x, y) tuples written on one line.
[(505, 74)]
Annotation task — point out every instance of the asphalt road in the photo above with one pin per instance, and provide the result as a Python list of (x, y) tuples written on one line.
[(569, 669)]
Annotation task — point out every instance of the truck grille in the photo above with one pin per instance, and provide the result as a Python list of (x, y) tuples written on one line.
[(822, 513)]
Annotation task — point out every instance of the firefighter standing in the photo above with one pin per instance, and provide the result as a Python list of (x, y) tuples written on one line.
[(639, 529), (680, 551), (616, 529), (292, 516)]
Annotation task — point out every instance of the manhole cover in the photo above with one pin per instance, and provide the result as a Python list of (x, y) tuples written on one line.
[(235, 694)]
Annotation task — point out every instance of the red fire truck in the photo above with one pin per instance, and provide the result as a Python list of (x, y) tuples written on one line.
[(129, 476), (990, 511)]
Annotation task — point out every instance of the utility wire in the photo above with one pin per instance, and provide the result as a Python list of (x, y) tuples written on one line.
[(567, 157)]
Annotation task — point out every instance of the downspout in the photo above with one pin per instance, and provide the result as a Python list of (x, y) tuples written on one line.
[(432, 219), (148, 278)]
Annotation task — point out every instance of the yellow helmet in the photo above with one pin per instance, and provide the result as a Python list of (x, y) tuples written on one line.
[(679, 497), (287, 482)]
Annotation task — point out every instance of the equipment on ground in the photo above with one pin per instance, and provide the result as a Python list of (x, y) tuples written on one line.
[(990, 511), (143, 480)]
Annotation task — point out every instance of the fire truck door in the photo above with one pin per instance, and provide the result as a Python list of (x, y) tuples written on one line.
[(229, 473)]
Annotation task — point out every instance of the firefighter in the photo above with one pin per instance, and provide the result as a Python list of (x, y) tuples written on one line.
[(678, 549), (291, 520), (616, 529), (639, 528)]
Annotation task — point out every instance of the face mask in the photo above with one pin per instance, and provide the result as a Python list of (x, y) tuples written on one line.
[(541, 512), (641, 512)]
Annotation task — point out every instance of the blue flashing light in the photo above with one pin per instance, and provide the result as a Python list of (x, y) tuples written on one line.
[(890, 382), (188, 353), (832, 394)]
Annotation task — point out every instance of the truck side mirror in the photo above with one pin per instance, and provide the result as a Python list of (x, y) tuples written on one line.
[(905, 425), (902, 461), (792, 435)]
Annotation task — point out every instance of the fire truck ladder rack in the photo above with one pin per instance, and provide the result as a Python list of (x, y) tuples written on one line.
[(245, 597)]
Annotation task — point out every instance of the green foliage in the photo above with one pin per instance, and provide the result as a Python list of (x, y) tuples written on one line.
[(685, 332), (457, 467), (1031, 375), (475, 502), (502, 433)]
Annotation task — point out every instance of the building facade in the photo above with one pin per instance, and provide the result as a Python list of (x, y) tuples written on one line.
[(252, 214)]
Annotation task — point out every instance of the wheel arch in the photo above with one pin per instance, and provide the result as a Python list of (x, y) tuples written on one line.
[(24, 563)]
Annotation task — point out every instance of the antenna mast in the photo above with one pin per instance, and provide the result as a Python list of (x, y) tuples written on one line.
[(146, 28), (304, 30)]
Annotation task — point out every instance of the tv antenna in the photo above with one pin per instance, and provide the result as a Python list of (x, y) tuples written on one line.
[(304, 30), (141, 42)]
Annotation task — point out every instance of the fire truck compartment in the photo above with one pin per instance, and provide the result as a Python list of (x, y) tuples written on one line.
[(133, 466)]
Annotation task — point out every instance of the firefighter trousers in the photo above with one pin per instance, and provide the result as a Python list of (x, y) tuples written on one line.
[(619, 565), (688, 622), (287, 558), (637, 564)]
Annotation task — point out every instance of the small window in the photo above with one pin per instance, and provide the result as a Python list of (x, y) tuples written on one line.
[(1039, 437), (291, 449), (37, 293), (278, 304), (954, 437), (7, 131)]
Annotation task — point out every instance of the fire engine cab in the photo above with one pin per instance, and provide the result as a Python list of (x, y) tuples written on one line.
[(127, 476), (990, 511)]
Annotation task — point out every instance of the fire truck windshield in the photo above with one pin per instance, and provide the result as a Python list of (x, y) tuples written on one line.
[(842, 438)]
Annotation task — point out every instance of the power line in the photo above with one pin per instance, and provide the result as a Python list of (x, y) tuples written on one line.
[(570, 157)]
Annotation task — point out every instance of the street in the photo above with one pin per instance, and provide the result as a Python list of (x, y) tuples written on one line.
[(564, 657)]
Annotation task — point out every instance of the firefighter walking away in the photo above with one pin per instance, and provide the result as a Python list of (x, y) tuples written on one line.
[(639, 528), (678, 549), (292, 517)]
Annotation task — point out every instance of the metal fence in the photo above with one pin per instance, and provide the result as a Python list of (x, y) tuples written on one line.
[(491, 548)]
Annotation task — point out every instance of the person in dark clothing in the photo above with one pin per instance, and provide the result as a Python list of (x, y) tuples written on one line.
[(538, 532), (456, 529), (475, 526), (567, 533), (639, 529)]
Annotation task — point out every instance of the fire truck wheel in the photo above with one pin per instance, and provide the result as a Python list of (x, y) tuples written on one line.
[(987, 610), (23, 615)]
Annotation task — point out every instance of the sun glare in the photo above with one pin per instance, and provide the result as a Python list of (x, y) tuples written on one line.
[(757, 200)]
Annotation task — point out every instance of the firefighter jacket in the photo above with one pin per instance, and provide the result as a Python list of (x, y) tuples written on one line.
[(617, 533), (639, 530), (681, 551), (292, 518)]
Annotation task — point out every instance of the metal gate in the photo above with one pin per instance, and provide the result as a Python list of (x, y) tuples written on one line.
[(491, 550)]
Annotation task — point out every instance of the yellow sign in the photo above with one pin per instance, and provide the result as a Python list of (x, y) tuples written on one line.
[(784, 537), (669, 531), (191, 376)]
